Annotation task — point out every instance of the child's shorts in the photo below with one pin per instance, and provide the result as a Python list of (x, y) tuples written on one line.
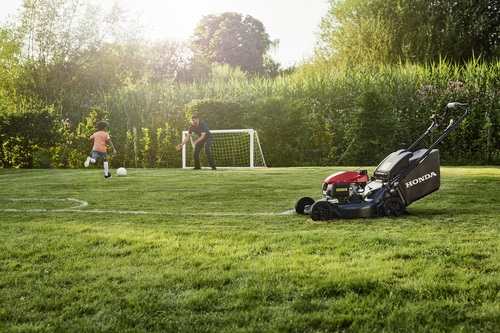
[(98, 154)]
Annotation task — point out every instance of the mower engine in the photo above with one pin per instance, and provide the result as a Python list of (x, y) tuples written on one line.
[(345, 186)]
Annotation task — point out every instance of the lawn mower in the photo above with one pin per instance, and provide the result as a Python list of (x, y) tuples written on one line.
[(402, 178)]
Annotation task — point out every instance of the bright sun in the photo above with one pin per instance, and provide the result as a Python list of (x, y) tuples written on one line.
[(293, 22), (173, 19)]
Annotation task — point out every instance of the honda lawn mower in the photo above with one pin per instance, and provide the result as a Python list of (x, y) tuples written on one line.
[(403, 177)]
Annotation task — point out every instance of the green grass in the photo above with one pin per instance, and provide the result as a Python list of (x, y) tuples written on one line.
[(186, 251)]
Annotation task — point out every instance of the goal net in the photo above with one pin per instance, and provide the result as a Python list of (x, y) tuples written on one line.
[(237, 148)]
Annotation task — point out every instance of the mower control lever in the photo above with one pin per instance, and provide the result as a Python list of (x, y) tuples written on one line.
[(436, 122), (450, 124)]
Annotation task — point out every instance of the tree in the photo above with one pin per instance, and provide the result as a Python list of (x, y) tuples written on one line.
[(73, 48), (389, 31), (10, 69), (167, 61), (230, 38)]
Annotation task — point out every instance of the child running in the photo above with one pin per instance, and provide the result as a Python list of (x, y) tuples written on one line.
[(100, 139)]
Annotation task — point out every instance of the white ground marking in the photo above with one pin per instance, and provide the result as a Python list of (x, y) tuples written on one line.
[(82, 204)]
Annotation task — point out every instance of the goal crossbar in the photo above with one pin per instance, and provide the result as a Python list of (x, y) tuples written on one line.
[(231, 148)]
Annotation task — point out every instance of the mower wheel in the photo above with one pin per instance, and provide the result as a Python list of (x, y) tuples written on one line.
[(321, 211), (301, 204), (394, 207)]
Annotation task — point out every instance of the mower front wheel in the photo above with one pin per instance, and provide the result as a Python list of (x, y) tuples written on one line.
[(321, 211), (394, 207), (301, 204)]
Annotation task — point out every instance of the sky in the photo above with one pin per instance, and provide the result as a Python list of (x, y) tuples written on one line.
[(295, 23)]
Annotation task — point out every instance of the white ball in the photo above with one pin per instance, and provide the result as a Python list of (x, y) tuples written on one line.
[(121, 172)]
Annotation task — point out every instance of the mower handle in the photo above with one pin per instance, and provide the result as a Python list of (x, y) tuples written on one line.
[(436, 122), (462, 106), (453, 105), (439, 119)]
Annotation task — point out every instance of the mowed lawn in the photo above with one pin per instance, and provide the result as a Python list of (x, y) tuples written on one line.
[(171, 250)]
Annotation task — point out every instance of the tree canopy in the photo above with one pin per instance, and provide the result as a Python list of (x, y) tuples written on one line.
[(229, 38), (422, 31)]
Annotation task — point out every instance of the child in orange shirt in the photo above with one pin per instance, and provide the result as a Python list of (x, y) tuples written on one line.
[(100, 138)]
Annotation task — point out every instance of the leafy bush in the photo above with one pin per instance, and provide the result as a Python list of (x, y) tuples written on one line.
[(26, 136)]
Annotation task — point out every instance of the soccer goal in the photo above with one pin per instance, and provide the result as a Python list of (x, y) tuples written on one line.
[(236, 148)]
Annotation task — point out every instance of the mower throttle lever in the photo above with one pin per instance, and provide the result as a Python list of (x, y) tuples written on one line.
[(449, 125)]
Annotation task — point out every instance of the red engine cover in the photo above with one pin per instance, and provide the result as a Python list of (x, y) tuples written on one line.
[(347, 177)]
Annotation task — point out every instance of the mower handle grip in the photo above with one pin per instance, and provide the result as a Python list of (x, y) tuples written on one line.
[(453, 105), (462, 106)]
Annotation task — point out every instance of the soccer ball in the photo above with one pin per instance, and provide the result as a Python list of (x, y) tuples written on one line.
[(121, 172)]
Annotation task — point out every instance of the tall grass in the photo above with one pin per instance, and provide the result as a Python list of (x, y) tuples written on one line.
[(180, 251), (332, 110), (332, 100)]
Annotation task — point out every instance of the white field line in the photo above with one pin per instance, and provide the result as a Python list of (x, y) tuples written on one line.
[(82, 204)]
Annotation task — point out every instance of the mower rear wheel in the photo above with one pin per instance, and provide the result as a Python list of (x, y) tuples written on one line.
[(394, 207), (301, 204), (321, 211)]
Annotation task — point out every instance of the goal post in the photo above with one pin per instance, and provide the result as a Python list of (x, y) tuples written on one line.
[(234, 148)]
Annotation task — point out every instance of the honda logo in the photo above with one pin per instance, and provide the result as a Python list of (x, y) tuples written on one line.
[(420, 179)]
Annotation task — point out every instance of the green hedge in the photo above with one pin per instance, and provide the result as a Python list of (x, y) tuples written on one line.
[(322, 114)]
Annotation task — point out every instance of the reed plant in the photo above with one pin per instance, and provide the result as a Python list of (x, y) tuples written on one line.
[(335, 112)]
